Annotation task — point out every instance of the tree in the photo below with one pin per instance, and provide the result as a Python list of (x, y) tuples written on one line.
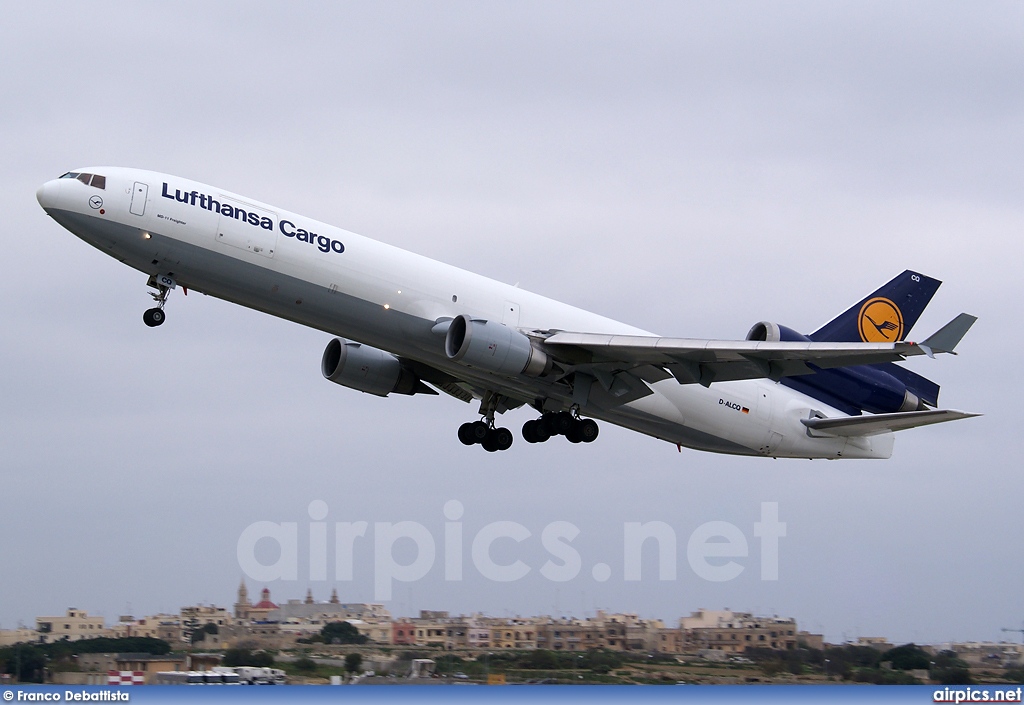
[(262, 659), (27, 662), (907, 657), (951, 675), (541, 659), (305, 664), (353, 662), (1014, 674), (341, 633), (246, 657), (948, 659), (200, 634)]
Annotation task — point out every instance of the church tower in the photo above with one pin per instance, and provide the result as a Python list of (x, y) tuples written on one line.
[(242, 604)]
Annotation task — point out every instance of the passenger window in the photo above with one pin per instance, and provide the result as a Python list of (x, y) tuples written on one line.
[(99, 181)]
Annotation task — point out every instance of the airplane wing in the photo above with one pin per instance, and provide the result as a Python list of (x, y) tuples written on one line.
[(705, 361), (873, 424)]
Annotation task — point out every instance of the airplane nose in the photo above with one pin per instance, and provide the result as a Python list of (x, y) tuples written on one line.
[(47, 194)]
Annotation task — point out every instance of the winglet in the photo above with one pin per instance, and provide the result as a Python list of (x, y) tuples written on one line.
[(945, 339)]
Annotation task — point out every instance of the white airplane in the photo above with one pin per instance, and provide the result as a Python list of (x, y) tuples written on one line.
[(407, 324)]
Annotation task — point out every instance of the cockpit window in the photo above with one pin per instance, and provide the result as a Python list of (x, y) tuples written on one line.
[(95, 180)]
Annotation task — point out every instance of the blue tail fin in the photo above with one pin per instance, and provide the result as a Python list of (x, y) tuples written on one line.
[(885, 316)]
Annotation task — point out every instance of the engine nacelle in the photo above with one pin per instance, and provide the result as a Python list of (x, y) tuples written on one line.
[(494, 347), (850, 389), (773, 332), (367, 369)]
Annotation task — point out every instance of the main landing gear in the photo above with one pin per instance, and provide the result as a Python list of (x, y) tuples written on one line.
[(563, 423), (163, 285), (492, 439), (484, 431)]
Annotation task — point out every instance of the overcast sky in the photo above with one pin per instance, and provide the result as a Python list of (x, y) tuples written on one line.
[(689, 168)]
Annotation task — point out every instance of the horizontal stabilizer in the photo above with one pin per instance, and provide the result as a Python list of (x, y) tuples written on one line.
[(873, 424), (945, 339)]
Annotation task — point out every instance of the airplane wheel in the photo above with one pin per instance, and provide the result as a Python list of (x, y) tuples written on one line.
[(466, 434), (490, 443), (562, 422), (530, 432), (557, 424), (480, 431), (153, 317), (503, 438), (573, 434), (587, 430), (541, 431)]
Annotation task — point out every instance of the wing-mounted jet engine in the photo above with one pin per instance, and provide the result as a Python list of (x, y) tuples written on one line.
[(369, 370)]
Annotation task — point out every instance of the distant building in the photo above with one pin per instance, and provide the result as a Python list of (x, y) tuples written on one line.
[(517, 634), (242, 604), (149, 664), (403, 632), (735, 632), (73, 626), (569, 635), (154, 626), (875, 642), (21, 635), (810, 641), (324, 612), (990, 654), (669, 641), (261, 610)]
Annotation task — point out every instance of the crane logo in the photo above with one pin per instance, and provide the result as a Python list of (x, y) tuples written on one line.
[(880, 321)]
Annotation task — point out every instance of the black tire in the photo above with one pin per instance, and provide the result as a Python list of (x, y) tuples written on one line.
[(153, 317), (588, 430), (541, 431), (530, 431), (466, 434), (490, 443), (480, 431), (503, 438), (557, 424), (573, 434)]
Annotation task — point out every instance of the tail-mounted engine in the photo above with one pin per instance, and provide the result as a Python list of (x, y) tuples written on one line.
[(879, 388)]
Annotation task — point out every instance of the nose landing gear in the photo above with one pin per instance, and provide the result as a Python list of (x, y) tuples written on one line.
[(163, 284), (153, 317)]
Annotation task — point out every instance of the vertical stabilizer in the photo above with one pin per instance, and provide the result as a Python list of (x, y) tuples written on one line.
[(886, 315)]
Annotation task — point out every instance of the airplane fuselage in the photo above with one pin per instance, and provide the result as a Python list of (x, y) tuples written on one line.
[(285, 264)]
